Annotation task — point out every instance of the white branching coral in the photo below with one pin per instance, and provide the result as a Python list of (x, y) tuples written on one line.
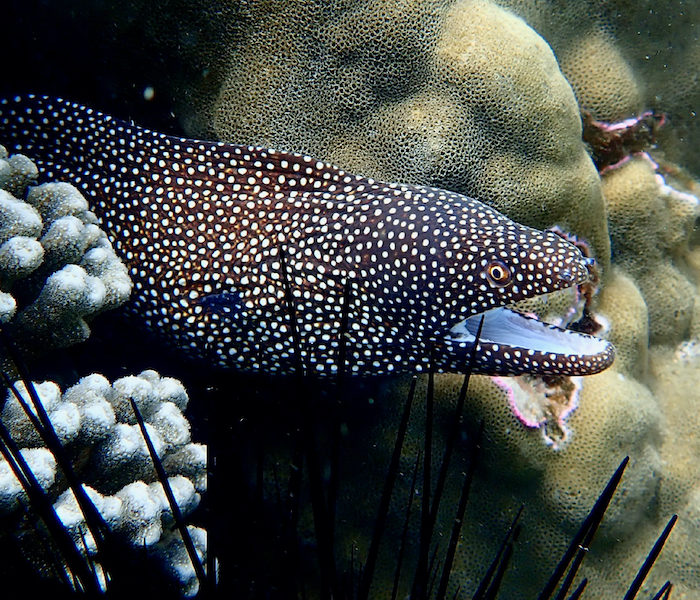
[(57, 267), (173, 550), (97, 427)]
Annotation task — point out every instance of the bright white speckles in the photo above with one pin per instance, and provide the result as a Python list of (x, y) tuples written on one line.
[(203, 225)]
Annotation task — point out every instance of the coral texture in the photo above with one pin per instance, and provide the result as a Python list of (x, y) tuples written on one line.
[(465, 95), (96, 425), (622, 58), (57, 267)]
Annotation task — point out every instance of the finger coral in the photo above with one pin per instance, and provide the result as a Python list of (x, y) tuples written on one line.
[(95, 424), (57, 267)]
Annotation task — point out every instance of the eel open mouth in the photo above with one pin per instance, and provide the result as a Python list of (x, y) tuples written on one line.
[(516, 343)]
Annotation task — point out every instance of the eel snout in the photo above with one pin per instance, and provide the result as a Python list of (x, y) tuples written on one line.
[(514, 343)]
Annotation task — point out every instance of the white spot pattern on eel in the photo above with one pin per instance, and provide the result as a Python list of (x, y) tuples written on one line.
[(253, 258)]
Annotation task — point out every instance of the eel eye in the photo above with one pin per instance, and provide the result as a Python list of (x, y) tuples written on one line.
[(498, 274)]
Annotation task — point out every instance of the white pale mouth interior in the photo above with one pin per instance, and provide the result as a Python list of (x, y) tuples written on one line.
[(508, 328)]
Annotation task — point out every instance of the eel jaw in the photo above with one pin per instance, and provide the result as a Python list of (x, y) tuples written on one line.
[(513, 344)]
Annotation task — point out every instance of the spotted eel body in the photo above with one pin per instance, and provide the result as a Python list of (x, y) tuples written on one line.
[(269, 261)]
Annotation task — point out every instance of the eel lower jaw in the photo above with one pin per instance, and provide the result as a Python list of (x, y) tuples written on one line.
[(513, 343)]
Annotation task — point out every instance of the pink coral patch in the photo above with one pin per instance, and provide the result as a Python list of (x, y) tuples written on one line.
[(543, 403)]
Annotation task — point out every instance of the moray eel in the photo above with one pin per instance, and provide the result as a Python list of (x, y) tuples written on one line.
[(268, 261)]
